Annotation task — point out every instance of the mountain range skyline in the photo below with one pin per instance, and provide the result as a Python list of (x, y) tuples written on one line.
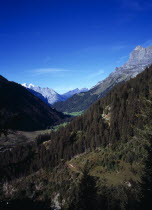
[(67, 43), (75, 104), (32, 86), (139, 56), (139, 59), (50, 96), (98, 74)]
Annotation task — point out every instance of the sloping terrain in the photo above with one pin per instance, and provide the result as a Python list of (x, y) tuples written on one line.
[(139, 59), (21, 110), (110, 138), (49, 96), (73, 92)]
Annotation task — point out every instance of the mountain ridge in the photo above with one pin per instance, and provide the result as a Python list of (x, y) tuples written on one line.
[(108, 139), (31, 113), (74, 91), (139, 59), (50, 96)]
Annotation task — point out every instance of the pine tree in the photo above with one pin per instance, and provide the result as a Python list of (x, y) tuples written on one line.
[(146, 186), (147, 177), (86, 196)]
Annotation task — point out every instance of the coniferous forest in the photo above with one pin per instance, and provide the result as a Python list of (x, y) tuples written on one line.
[(75, 105), (99, 160)]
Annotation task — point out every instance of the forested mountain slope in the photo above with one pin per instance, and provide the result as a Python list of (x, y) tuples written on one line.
[(21, 110), (110, 138), (114, 118)]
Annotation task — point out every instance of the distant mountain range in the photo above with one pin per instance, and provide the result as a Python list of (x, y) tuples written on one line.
[(24, 111), (47, 95), (50, 96), (73, 92), (139, 58)]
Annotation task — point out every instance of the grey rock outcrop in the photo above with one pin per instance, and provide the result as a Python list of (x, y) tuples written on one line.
[(47, 95), (139, 59)]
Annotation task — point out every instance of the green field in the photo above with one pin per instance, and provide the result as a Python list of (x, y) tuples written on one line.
[(74, 114), (55, 128)]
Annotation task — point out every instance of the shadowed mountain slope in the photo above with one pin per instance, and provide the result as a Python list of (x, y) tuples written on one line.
[(24, 110)]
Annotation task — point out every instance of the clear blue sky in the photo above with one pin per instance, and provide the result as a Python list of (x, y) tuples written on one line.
[(64, 44)]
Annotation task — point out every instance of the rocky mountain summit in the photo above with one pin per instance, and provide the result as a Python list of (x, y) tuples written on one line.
[(140, 56), (139, 59), (50, 96), (47, 95)]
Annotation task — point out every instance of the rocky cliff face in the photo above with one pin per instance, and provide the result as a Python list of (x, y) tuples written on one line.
[(47, 95), (139, 56), (139, 59)]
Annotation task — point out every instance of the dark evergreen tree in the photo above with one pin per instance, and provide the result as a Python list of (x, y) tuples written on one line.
[(147, 177), (86, 196)]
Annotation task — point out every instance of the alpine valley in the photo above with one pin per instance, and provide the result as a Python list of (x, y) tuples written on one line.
[(99, 160), (75, 105)]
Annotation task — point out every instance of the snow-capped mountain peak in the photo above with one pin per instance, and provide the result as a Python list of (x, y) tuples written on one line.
[(31, 85), (46, 94), (28, 86), (24, 85), (50, 96)]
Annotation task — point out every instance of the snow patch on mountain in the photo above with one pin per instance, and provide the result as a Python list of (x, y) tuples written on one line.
[(46, 94), (50, 96)]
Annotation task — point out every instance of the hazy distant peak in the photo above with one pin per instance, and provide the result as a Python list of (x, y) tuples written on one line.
[(73, 92), (48, 95)]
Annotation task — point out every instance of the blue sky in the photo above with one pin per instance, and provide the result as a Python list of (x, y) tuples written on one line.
[(64, 44)]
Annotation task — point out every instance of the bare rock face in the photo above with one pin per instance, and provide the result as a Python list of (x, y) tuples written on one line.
[(47, 95), (140, 56), (139, 59)]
